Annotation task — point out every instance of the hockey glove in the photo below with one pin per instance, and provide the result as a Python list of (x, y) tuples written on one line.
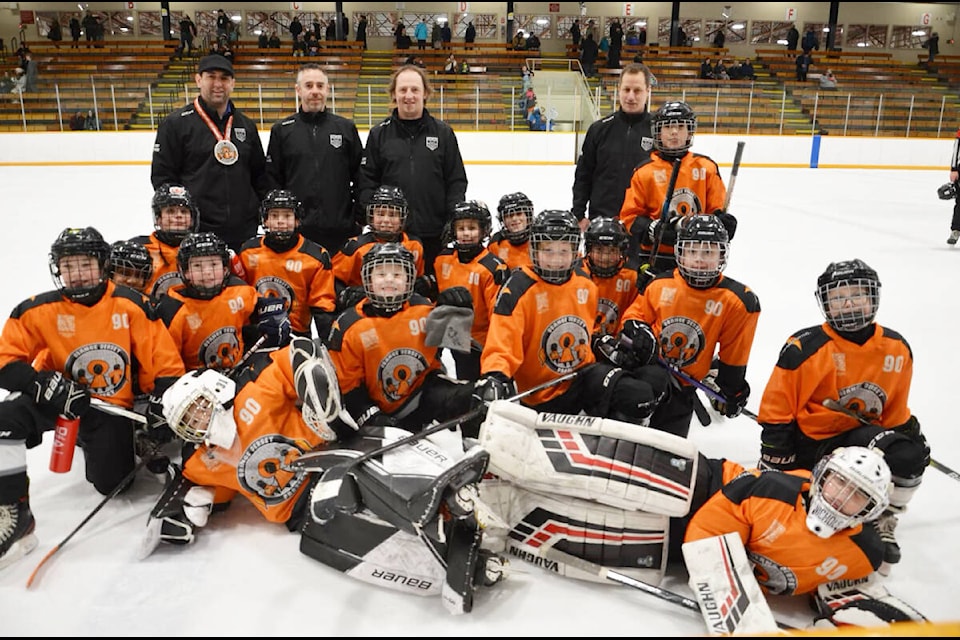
[(379, 419), (728, 220), (733, 404), (778, 447), (860, 603), (273, 321), (643, 344), (667, 230), (349, 297), (426, 286), (493, 386), (54, 390), (455, 297)]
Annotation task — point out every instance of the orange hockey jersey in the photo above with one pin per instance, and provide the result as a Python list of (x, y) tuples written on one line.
[(100, 346), (515, 255), (482, 276), (616, 294), (541, 331), (302, 276), (347, 262), (165, 272), (816, 363)]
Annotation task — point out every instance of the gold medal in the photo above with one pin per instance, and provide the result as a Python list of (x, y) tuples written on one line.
[(226, 152)]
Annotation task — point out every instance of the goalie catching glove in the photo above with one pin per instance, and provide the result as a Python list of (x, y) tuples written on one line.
[(860, 603)]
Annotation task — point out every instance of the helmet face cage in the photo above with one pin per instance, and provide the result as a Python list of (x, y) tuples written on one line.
[(281, 199), (702, 249), (130, 264), (849, 295), (197, 245), (168, 195), (511, 205), (388, 272), (387, 201), (471, 210), (80, 242), (673, 113), (606, 232), (197, 403), (554, 262), (850, 485)]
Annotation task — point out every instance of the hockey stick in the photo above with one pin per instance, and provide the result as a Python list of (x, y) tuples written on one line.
[(664, 213), (733, 174), (120, 487), (713, 395), (835, 405)]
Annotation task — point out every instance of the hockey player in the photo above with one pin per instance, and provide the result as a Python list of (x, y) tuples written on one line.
[(863, 367), (696, 310), (130, 265), (541, 330), (610, 268), (386, 222), (388, 374), (88, 353), (468, 263), (512, 242), (175, 215), (214, 316), (285, 265), (699, 188)]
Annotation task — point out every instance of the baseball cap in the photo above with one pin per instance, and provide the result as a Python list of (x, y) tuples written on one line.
[(214, 62)]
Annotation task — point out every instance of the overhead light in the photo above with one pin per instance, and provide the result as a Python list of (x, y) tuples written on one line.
[(235, 18), (737, 27), (129, 18), (642, 23), (542, 21), (782, 41), (918, 33)]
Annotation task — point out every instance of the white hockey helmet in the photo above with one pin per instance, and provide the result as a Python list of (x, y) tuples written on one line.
[(850, 485), (198, 407)]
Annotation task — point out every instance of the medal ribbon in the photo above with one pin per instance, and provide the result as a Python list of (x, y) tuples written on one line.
[(213, 128)]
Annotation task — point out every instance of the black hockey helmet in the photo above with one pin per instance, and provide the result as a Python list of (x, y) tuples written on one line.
[(554, 225), (390, 198), (80, 242), (168, 195), (606, 232), (697, 234), (471, 210), (195, 245), (132, 262), (281, 199), (515, 203), (948, 191), (673, 113), (388, 254), (848, 293)]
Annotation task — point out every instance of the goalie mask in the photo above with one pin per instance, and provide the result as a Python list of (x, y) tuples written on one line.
[(849, 295), (673, 127), (948, 191), (850, 486), (175, 214), (76, 278), (199, 408), (516, 214)]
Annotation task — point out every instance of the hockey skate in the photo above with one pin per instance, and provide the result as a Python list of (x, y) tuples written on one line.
[(886, 525), (954, 236), (16, 532)]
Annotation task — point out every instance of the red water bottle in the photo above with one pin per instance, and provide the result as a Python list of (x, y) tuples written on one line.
[(64, 442)]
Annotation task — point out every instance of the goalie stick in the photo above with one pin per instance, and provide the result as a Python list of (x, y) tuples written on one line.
[(834, 405)]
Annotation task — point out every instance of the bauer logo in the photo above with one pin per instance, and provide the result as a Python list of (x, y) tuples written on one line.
[(402, 580)]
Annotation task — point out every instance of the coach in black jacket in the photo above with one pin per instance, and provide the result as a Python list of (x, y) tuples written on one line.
[(316, 155), (213, 150), (418, 153), (612, 149)]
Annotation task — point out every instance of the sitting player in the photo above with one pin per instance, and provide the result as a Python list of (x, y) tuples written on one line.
[(512, 242), (285, 265), (614, 274), (469, 264), (130, 265)]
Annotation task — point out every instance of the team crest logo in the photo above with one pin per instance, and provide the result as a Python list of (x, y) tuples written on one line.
[(399, 371), (274, 287), (646, 143), (100, 367), (241, 134), (265, 469), (221, 349), (685, 203), (608, 316), (433, 142), (866, 399), (336, 140), (681, 340), (565, 344)]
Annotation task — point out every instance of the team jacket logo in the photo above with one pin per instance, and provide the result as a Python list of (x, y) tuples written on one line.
[(646, 143), (101, 367), (336, 140), (265, 468), (564, 344), (681, 340), (241, 134), (866, 399), (433, 142), (221, 349), (398, 371)]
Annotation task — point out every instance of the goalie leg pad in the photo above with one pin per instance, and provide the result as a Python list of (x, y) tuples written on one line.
[(523, 523), (315, 380), (182, 508), (615, 463)]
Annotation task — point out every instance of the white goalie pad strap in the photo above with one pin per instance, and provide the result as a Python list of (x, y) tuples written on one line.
[(197, 505), (612, 462), (523, 524), (722, 580)]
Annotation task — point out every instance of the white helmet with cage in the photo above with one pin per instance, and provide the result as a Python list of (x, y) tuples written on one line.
[(198, 408), (850, 486)]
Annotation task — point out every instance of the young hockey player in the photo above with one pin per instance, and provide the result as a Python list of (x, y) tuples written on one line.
[(541, 330), (130, 265), (214, 316), (861, 368), (287, 266), (468, 263), (175, 215), (614, 273), (512, 242), (88, 353)]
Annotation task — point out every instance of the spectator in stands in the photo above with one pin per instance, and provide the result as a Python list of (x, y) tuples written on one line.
[(588, 55), (446, 34), (436, 36), (470, 35), (518, 40), (18, 82), (706, 70), (331, 31), (746, 70), (55, 34), (214, 150), (89, 27), (536, 120), (932, 45), (296, 29), (616, 45), (526, 74), (735, 70), (643, 36), (223, 25), (633, 38), (529, 101), (828, 80), (420, 33), (804, 60), (323, 176), (682, 40), (274, 41), (345, 25), (188, 32), (793, 38), (263, 40), (310, 44), (533, 42), (591, 30), (317, 30), (575, 35), (75, 33), (720, 70), (413, 138), (450, 66), (719, 38), (362, 30), (77, 121), (400, 37), (30, 72), (810, 41)]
